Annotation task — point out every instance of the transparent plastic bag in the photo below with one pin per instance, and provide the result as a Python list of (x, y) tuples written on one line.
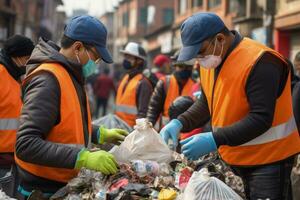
[(202, 186), (112, 121), (144, 143)]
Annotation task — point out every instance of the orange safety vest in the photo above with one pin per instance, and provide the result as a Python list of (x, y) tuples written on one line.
[(69, 131), (126, 99), (10, 108), (172, 91), (228, 104)]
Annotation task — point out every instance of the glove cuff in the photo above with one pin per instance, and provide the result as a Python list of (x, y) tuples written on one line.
[(81, 158), (178, 124), (212, 139), (102, 132)]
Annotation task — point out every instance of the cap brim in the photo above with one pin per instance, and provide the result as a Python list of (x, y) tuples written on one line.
[(130, 53), (105, 55), (185, 63), (188, 52)]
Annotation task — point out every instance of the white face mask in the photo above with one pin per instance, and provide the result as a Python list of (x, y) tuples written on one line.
[(211, 61)]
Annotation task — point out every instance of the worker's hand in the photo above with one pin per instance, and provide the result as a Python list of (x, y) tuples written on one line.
[(171, 131), (115, 136), (101, 161), (198, 145)]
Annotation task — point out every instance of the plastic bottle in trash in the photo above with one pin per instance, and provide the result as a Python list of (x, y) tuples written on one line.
[(101, 195), (143, 168)]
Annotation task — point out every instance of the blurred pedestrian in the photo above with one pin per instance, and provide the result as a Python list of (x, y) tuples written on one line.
[(297, 64), (162, 65), (170, 87), (135, 89), (295, 175), (103, 87)]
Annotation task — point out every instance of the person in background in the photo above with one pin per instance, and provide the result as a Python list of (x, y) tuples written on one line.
[(103, 87), (13, 57), (170, 87), (297, 64), (135, 90), (196, 89), (162, 65), (295, 175)]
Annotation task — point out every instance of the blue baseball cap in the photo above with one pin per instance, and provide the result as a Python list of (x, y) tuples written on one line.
[(91, 31), (195, 30)]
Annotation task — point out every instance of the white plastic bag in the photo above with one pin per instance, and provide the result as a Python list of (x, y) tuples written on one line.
[(3, 196), (144, 143), (202, 186)]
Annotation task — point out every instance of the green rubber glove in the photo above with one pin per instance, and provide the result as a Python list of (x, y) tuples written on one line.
[(101, 161), (115, 136)]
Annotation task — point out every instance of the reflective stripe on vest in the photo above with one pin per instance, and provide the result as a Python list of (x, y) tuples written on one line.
[(126, 99), (9, 124), (275, 133), (126, 109)]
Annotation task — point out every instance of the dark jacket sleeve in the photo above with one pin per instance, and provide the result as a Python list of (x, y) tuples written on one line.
[(144, 92), (40, 113), (265, 83), (157, 101), (196, 116)]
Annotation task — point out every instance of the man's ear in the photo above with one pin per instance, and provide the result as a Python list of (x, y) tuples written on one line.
[(221, 38), (77, 46)]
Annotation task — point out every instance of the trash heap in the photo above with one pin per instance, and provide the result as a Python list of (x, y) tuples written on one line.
[(149, 170)]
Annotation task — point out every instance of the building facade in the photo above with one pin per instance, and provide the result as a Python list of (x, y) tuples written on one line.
[(287, 27)]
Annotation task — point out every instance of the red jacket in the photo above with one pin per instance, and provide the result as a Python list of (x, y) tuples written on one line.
[(103, 85)]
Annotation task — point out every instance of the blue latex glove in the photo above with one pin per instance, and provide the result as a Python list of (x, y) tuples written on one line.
[(198, 145), (171, 131)]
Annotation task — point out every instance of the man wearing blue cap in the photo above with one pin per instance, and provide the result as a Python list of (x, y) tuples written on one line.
[(246, 93), (55, 125)]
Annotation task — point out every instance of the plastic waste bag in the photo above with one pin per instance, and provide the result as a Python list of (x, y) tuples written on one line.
[(3, 196), (144, 143), (202, 186), (112, 121)]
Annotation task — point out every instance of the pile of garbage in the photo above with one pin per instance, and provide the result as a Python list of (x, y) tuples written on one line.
[(149, 170)]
